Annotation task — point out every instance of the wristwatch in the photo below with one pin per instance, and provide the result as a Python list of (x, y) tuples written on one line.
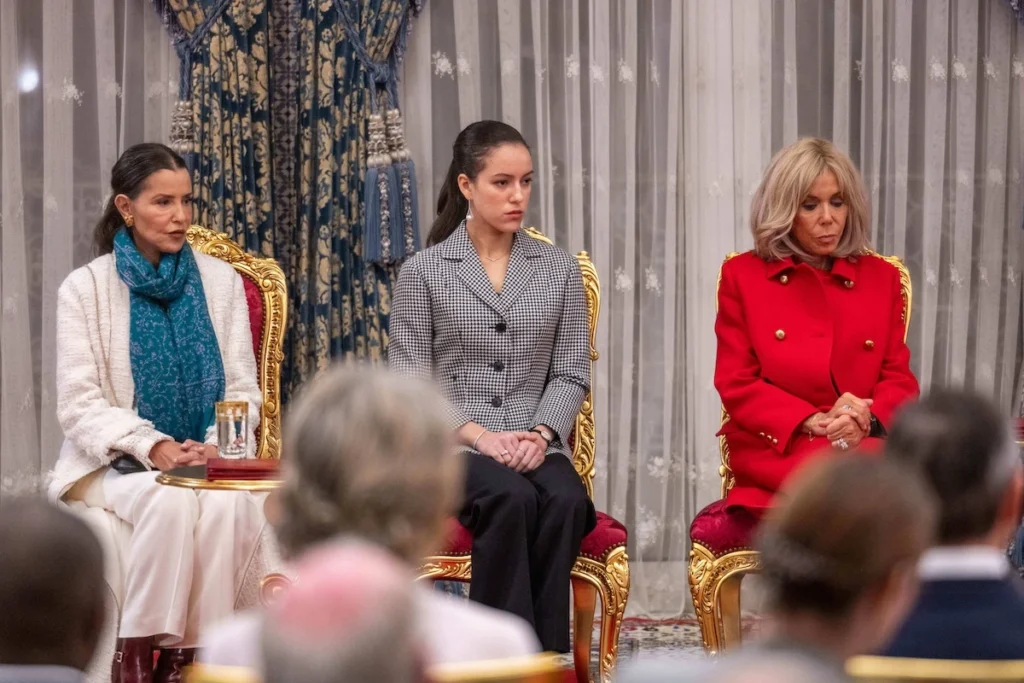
[(544, 432)]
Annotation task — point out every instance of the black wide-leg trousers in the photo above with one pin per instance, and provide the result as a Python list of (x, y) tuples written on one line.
[(527, 529)]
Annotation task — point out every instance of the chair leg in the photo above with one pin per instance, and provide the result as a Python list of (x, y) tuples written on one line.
[(715, 587), (584, 602), (731, 634), (702, 591), (614, 595)]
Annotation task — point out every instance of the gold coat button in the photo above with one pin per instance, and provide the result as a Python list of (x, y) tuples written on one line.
[(780, 335), (869, 344), (775, 442), (784, 279), (761, 435), (849, 284)]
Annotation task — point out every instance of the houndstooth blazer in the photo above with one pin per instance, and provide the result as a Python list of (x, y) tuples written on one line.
[(508, 361)]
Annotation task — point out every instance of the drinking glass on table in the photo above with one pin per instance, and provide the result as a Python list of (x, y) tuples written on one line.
[(233, 428)]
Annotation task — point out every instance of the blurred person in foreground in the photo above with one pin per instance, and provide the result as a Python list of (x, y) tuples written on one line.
[(348, 618), (51, 594), (762, 667), (839, 568), (971, 605), (811, 356), (369, 454)]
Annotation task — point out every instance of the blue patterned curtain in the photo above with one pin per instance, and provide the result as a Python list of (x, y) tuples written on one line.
[(288, 94), (342, 301), (223, 120)]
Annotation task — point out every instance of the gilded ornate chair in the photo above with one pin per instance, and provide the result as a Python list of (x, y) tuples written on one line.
[(267, 296), (212, 673), (602, 568), (543, 668), (721, 552), (903, 670)]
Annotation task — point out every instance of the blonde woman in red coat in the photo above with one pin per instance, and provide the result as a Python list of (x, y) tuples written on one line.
[(811, 353)]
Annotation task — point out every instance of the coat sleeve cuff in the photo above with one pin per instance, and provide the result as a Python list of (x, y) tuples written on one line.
[(456, 416), (140, 442)]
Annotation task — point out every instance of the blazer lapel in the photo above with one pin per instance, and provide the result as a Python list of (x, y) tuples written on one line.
[(520, 269), (471, 270)]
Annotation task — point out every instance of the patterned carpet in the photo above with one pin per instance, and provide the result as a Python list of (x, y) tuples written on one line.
[(677, 639)]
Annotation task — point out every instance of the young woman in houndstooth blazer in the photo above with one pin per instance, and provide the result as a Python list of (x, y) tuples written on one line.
[(499, 320)]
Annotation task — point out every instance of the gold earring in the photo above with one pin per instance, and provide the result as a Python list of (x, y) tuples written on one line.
[(129, 220)]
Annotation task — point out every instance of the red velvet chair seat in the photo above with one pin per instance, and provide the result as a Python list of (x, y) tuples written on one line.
[(254, 299), (723, 531), (606, 536)]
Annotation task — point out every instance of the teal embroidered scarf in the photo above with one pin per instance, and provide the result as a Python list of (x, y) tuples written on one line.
[(176, 363)]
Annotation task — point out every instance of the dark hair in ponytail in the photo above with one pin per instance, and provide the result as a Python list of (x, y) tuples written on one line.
[(128, 177), (472, 145)]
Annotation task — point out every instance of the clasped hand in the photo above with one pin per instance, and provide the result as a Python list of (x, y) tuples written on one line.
[(520, 451), (167, 455), (845, 425)]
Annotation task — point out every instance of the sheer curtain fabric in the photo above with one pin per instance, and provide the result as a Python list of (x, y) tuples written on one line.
[(79, 81)]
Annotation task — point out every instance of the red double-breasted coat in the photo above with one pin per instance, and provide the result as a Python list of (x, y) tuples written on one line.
[(791, 339)]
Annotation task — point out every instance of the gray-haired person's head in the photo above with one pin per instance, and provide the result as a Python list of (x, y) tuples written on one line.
[(349, 618), (368, 453), (963, 446)]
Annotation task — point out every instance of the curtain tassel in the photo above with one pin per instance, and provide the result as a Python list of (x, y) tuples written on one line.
[(382, 204), (183, 135), (405, 234)]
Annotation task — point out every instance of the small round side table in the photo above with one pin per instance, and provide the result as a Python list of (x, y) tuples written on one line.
[(194, 477)]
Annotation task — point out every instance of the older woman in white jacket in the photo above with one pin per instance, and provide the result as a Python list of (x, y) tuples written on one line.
[(150, 335)]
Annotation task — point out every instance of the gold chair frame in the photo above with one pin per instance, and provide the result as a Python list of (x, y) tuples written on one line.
[(899, 669), (591, 576), (267, 275), (214, 673), (542, 668), (715, 581)]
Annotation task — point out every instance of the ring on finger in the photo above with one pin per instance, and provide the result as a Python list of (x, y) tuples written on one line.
[(847, 407)]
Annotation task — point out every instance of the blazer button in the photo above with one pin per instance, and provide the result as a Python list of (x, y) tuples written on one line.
[(500, 328), (498, 366), (869, 344), (784, 279), (849, 284), (775, 442), (780, 334), (761, 434), (496, 401)]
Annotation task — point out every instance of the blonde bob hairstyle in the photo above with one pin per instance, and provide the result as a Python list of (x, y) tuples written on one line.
[(784, 187), (368, 454)]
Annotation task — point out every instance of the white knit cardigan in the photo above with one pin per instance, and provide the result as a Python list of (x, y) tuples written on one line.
[(95, 390)]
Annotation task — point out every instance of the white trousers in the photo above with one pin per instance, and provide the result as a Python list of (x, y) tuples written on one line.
[(189, 552)]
